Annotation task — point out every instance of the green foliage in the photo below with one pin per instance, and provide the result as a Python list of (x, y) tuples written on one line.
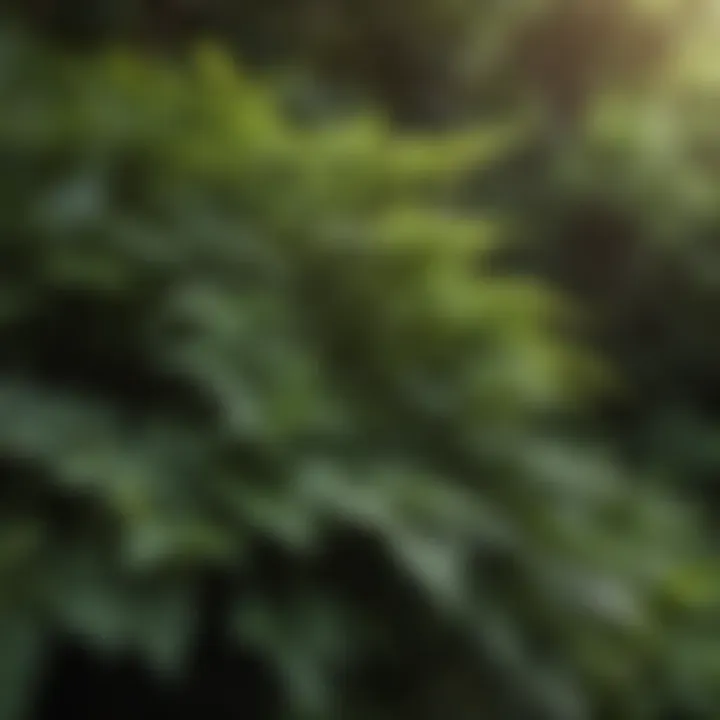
[(235, 345), (425, 61), (623, 213)]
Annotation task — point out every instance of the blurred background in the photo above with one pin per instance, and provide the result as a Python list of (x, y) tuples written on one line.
[(359, 359)]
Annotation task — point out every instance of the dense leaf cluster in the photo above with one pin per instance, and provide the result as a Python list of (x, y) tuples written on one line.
[(292, 421)]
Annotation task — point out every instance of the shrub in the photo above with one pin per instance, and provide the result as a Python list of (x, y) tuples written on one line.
[(240, 349)]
